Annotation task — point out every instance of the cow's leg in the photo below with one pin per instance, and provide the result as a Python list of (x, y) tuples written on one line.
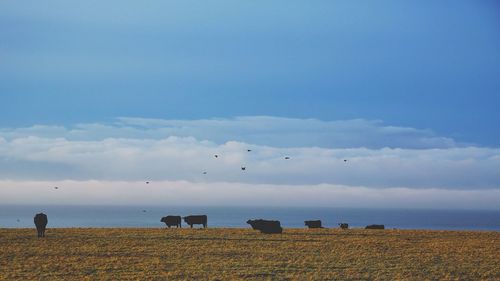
[(191, 225), (204, 225)]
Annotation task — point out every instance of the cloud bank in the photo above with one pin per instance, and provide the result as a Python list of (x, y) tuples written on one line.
[(176, 158), (352, 159), (259, 130), (185, 193)]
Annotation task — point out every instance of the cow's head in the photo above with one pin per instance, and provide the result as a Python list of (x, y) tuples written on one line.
[(163, 219)]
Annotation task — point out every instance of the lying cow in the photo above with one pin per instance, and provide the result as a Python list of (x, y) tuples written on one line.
[(266, 226), (344, 225), (313, 224), (375, 226), (40, 221), (198, 219), (172, 221)]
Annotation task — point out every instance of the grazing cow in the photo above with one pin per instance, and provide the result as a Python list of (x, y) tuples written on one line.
[(375, 226), (199, 219), (313, 224), (266, 226), (344, 225), (40, 223), (172, 221)]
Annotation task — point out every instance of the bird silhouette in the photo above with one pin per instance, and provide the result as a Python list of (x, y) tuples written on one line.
[(216, 156), (243, 168), (345, 160), (147, 182), (143, 211), (249, 150), (287, 158), (56, 187), (204, 173)]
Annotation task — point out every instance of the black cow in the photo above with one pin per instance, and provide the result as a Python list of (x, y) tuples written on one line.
[(375, 226), (266, 226), (344, 225), (313, 224), (198, 219), (40, 223), (172, 221)]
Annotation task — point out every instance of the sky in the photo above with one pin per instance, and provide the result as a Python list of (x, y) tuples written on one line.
[(99, 98)]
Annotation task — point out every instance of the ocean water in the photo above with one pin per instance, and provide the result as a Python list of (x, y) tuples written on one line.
[(128, 216)]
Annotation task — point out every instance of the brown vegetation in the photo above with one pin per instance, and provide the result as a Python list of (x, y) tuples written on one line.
[(229, 254)]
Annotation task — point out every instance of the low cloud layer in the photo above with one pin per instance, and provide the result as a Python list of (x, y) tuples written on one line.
[(258, 130), (139, 150), (184, 193), (176, 158)]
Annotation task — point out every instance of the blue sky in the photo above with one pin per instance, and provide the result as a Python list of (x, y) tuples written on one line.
[(413, 85), (422, 64)]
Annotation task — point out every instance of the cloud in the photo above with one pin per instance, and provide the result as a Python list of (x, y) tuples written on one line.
[(223, 193), (186, 158), (108, 163), (258, 130)]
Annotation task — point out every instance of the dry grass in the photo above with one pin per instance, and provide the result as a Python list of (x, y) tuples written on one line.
[(231, 254)]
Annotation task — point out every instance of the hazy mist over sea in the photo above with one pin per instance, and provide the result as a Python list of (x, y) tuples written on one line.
[(146, 216)]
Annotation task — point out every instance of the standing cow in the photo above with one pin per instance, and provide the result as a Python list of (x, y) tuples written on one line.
[(40, 223), (197, 219), (344, 225), (266, 226), (313, 224), (172, 221)]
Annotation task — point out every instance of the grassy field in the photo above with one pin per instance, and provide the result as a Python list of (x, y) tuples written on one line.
[(232, 254)]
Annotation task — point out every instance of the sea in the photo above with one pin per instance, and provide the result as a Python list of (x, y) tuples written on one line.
[(21, 216)]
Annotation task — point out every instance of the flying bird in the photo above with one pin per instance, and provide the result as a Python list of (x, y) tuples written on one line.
[(243, 168), (147, 182), (249, 150), (204, 173), (56, 187), (287, 158), (143, 211), (345, 160), (216, 156)]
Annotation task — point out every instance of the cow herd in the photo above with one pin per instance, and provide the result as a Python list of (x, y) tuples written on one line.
[(264, 226)]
